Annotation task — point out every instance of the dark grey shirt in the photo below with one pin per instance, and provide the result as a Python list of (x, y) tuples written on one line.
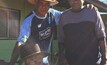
[(80, 33)]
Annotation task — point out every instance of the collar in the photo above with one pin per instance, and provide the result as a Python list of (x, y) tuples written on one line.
[(39, 17)]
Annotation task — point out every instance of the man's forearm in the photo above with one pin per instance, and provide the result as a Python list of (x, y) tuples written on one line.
[(61, 48), (15, 54), (103, 50), (62, 58)]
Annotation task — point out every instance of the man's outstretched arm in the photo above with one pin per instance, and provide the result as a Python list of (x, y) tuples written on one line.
[(15, 53)]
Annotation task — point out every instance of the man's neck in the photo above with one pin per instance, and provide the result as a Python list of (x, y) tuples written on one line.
[(78, 9), (40, 17)]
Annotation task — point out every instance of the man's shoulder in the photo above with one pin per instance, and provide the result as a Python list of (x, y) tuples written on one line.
[(92, 10), (66, 11), (29, 15), (54, 11)]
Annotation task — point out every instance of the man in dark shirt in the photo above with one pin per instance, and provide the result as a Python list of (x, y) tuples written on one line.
[(81, 33)]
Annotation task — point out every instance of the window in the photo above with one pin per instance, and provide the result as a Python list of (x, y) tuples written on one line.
[(9, 23)]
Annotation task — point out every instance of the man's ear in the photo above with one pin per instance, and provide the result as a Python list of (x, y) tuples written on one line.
[(91, 6)]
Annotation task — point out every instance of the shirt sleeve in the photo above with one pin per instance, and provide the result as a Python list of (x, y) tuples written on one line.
[(24, 31), (56, 14), (100, 28)]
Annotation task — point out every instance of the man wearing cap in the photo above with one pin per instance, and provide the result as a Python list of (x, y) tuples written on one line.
[(36, 34)]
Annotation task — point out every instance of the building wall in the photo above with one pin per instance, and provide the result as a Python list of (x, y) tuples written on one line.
[(21, 5), (104, 17), (6, 46)]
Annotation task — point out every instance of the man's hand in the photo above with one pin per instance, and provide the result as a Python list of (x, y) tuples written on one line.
[(91, 7), (103, 62), (103, 50)]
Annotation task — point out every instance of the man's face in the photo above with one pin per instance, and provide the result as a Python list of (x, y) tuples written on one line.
[(76, 4), (42, 7)]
